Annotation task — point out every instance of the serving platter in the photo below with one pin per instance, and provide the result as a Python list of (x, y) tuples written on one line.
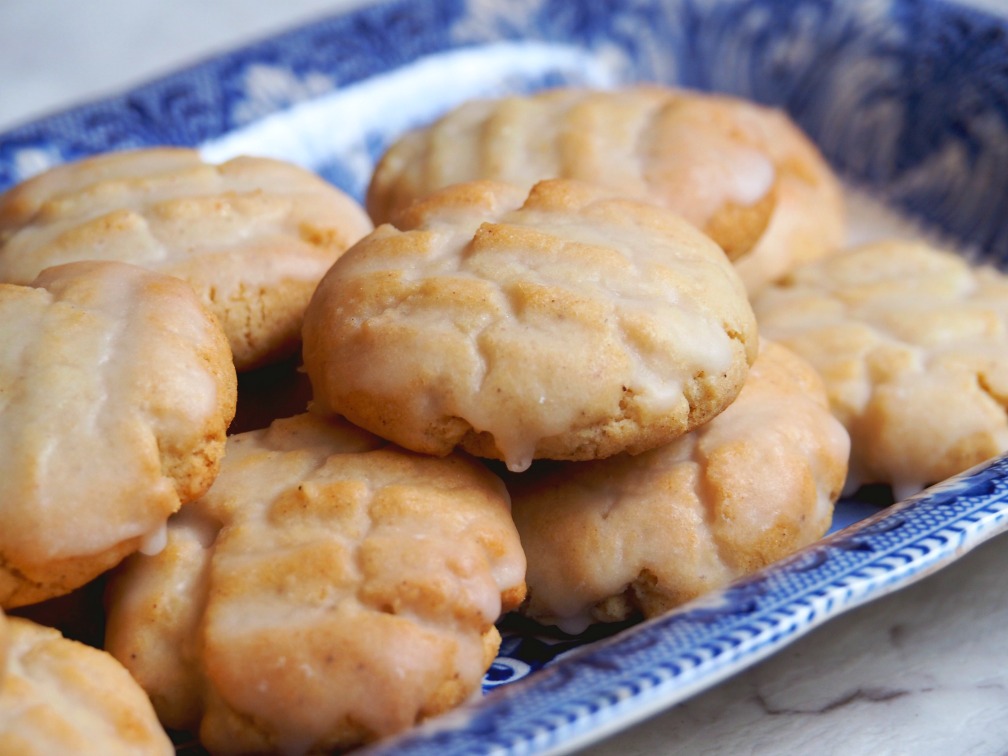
[(909, 100)]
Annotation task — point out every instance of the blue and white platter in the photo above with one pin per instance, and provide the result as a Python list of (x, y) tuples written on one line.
[(907, 98)]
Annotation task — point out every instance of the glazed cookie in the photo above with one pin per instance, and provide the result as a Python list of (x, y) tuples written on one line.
[(565, 324), (609, 539), (60, 696), (328, 590), (5, 644), (743, 173), (252, 236), (913, 345), (116, 390)]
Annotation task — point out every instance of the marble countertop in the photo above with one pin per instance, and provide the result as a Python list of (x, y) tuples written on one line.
[(921, 671)]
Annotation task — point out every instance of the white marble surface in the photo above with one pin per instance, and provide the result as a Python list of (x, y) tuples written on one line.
[(923, 671)]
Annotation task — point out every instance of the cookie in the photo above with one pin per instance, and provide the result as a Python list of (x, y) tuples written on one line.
[(624, 536), (252, 236), (328, 590), (116, 390), (558, 323), (912, 342), (5, 644), (742, 172), (60, 696)]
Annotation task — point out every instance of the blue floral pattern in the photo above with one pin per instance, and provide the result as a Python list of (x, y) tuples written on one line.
[(908, 98)]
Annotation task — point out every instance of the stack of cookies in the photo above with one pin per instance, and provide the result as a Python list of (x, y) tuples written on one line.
[(260, 581), (602, 353)]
